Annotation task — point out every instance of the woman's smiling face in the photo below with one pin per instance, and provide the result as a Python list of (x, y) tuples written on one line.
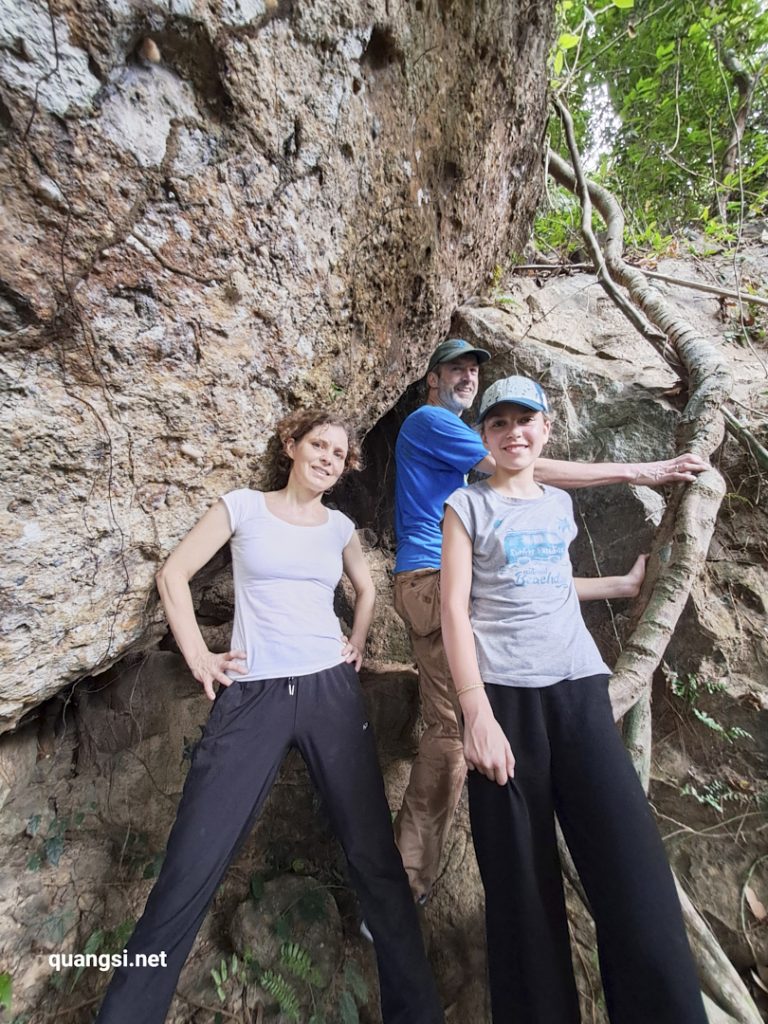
[(319, 457), (514, 435)]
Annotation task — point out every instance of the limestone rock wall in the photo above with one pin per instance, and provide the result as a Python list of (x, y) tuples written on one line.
[(214, 213), (89, 789)]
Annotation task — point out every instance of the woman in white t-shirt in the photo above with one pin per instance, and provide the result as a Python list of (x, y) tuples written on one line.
[(289, 681)]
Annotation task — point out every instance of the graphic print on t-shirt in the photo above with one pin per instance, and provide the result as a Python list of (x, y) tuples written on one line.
[(531, 554)]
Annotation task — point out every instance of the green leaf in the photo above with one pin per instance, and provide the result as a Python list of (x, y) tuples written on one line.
[(709, 721), (53, 849), (117, 938), (664, 50), (568, 40), (94, 942), (33, 825), (356, 982), (624, 5), (559, 61), (152, 867), (285, 994), (348, 1008), (6, 991)]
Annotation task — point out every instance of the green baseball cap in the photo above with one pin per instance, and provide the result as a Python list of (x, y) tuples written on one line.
[(454, 348)]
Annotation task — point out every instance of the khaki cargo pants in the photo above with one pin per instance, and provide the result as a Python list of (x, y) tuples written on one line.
[(438, 773)]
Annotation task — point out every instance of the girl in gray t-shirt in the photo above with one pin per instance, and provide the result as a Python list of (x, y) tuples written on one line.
[(539, 730)]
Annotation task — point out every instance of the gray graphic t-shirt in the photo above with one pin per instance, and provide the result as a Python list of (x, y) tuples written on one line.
[(524, 609)]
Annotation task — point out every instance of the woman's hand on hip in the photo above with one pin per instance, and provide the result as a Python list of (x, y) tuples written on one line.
[(487, 749), (352, 652), (209, 668)]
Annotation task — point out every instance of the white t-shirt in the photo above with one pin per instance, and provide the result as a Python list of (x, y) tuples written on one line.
[(285, 577)]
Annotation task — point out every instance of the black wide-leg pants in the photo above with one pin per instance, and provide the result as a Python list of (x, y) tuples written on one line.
[(250, 729), (571, 762)]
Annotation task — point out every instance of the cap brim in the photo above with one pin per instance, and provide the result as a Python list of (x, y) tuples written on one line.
[(480, 353), (524, 402)]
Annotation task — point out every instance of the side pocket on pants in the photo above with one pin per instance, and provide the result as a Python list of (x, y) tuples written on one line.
[(417, 602)]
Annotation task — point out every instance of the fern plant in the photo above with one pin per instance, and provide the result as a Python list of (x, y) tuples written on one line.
[(689, 688), (230, 972), (298, 962), (283, 992)]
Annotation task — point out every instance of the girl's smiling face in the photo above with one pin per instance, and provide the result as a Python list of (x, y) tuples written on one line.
[(319, 457), (514, 435)]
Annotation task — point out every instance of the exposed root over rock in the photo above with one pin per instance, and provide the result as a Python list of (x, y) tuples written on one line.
[(683, 538)]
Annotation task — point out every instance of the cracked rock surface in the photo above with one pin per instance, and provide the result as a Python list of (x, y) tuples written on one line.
[(215, 213)]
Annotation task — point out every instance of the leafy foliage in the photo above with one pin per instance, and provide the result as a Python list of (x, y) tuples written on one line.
[(356, 983), (656, 88), (283, 993), (6, 992), (689, 689), (50, 846), (348, 1008), (714, 794), (233, 973), (298, 962)]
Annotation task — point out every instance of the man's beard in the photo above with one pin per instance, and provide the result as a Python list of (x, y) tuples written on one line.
[(455, 403)]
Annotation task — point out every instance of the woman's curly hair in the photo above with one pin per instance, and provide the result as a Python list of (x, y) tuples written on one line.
[(296, 425)]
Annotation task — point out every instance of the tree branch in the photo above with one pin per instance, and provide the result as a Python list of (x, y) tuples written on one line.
[(697, 286)]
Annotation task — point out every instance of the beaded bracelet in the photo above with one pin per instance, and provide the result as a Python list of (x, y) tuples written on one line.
[(472, 686)]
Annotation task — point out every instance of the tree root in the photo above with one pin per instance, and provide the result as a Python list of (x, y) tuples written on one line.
[(637, 737), (698, 286), (718, 975), (686, 530), (683, 538), (726, 1000), (746, 439)]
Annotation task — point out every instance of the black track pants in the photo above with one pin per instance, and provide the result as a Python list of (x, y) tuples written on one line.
[(570, 761), (251, 727)]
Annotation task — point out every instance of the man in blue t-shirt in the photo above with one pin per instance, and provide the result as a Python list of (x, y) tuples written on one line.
[(435, 450)]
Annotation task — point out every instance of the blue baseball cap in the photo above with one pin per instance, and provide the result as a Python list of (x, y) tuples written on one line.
[(516, 390), (454, 348)]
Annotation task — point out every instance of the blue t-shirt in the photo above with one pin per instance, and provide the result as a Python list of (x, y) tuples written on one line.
[(434, 452)]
